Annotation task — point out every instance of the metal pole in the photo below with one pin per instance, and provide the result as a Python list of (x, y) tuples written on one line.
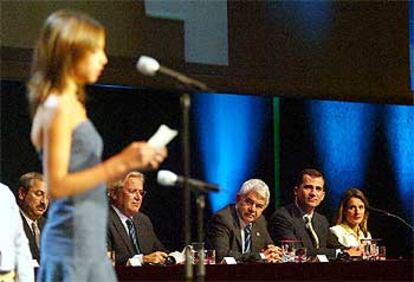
[(185, 104), (201, 269)]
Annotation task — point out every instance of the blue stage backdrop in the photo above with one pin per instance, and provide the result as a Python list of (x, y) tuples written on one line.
[(343, 138), (411, 30), (229, 129), (399, 123)]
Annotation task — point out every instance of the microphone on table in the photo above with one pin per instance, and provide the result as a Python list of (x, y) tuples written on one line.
[(383, 212), (169, 178), (149, 66), (175, 258)]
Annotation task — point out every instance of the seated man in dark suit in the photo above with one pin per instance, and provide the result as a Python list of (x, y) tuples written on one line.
[(300, 221), (130, 232), (33, 200), (240, 230)]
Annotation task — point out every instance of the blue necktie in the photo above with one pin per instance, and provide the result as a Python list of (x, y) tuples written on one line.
[(247, 238), (133, 235)]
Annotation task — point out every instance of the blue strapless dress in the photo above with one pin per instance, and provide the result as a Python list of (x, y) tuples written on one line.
[(73, 243)]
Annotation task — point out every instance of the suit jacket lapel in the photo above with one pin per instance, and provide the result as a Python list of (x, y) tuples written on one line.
[(29, 233), (142, 242), (237, 229), (302, 233), (41, 223), (257, 239), (122, 232), (27, 228), (316, 223)]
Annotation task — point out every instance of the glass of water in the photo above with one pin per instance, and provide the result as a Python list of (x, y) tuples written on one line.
[(293, 251), (210, 257), (197, 252), (370, 249)]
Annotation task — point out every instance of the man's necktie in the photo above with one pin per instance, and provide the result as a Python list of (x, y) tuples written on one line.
[(308, 224), (247, 238), (133, 235), (36, 234)]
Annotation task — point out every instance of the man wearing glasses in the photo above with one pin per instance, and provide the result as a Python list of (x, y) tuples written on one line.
[(240, 231), (130, 232)]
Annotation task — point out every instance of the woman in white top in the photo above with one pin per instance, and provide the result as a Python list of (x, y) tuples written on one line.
[(351, 219)]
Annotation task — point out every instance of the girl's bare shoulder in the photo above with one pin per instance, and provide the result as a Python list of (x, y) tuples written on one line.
[(55, 106)]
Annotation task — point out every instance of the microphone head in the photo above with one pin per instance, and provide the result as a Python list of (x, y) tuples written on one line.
[(175, 258), (166, 178), (147, 65)]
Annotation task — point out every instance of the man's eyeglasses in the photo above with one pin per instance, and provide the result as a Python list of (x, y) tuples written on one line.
[(142, 193), (250, 202)]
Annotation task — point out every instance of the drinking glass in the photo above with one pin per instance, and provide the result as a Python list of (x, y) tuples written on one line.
[(197, 252), (370, 249), (293, 251), (301, 252), (210, 256), (382, 252)]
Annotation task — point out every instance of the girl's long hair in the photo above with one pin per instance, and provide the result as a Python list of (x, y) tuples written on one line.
[(65, 38)]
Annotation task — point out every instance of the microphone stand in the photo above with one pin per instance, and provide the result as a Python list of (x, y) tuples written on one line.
[(185, 105), (200, 192), (200, 199), (148, 67), (201, 202), (185, 100)]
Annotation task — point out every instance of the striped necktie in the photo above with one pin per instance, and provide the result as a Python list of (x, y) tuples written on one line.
[(36, 234), (247, 238), (309, 227), (133, 235)]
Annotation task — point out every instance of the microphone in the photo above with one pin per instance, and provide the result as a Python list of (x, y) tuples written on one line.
[(175, 258), (149, 66), (383, 212), (169, 178)]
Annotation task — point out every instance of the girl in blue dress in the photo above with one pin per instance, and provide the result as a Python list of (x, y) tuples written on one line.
[(69, 54)]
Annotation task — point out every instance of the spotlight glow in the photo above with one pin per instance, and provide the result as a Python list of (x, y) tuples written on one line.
[(343, 139), (400, 136), (229, 130)]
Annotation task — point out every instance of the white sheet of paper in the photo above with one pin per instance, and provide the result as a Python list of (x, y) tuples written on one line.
[(135, 261), (229, 260), (162, 137), (322, 258)]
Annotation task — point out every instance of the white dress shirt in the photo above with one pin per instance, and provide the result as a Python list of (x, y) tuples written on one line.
[(123, 218), (347, 237), (14, 247), (28, 220)]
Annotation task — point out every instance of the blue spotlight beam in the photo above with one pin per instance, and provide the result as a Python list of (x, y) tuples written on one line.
[(229, 130), (343, 139), (399, 121)]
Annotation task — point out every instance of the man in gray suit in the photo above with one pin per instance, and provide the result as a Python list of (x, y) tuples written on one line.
[(33, 200), (240, 230), (300, 221), (130, 232)]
